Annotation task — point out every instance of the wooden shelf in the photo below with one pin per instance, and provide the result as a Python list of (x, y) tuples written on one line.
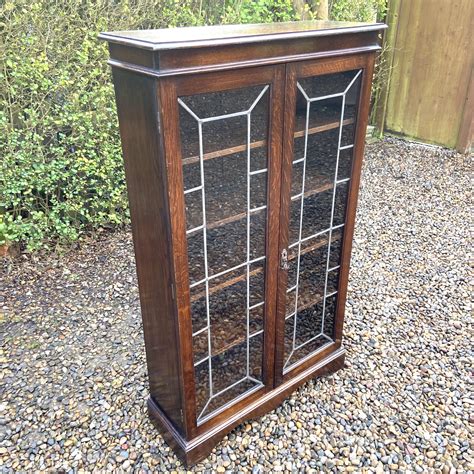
[(322, 128), (242, 277), (261, 143), (243, 215), (228, 220), (224, 152), (231, 337), (318, 190)]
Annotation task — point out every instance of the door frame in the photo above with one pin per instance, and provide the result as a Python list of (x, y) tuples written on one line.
[(294, 71), (169, 89)]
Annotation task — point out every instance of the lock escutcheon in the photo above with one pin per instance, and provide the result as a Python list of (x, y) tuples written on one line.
[(284, 259)]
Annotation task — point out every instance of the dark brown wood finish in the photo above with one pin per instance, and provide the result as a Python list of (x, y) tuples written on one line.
[(137, 107), (286, 165), (151, 70), (172, 153)]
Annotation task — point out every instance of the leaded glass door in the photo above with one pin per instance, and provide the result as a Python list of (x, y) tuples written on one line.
[(321, 119), (228, 124)]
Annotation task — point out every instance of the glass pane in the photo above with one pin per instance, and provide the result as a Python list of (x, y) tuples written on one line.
[(200, 347), (226, 222), (326, 110), (198, 307), (193, 206), (258, 190), (256, 283), (258, 222), (345, 164), (191, 175), (336, 245), (201, 378), (258, 135), (321, 159), (350, 112), (256, 356), (294, 224), (226, 246), (224, 133), (297, 179), (328, 84), (316, 213), (292, 266), (196, 256), (225, 197), (308, 324), (312, 274), (189, 133), (340, 203), (227, 309), (256, 319), (329, 316), (290, 302), (333, 281), (229, 367)]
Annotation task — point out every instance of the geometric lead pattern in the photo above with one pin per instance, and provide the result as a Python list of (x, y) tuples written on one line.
[(257, 384), (289, 364)]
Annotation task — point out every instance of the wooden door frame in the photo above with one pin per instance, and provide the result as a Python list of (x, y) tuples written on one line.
[(169, 90), (299, 70)]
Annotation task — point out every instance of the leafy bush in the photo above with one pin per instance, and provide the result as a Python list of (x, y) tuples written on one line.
[(61, 171), (357, 10), (261, 11)]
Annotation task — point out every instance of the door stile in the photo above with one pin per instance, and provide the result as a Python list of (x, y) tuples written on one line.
[(170, 129), (359, 146), (286, 164), (276, 124)]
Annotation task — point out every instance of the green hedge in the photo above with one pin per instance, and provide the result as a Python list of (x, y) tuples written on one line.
[(61, 170)]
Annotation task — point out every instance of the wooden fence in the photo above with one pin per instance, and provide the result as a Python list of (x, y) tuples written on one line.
[(429, 92)]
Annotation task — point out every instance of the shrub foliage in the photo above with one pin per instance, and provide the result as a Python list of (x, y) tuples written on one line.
[(61, 171)]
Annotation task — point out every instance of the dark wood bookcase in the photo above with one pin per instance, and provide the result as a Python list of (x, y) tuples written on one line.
[(243, 148)]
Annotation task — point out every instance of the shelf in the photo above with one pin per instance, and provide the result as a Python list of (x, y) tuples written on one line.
[(230, 330), (312, 192), (261, 143), (224, 152), (232, 343), (227, 283), (322, 128), (335, 237), (226, 333), (243, 215), (307, 305)]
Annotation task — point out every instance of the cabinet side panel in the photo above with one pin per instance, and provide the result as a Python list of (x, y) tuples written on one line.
[(137, 105)]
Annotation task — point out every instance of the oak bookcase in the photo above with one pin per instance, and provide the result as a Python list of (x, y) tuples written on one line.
[(243, 148)]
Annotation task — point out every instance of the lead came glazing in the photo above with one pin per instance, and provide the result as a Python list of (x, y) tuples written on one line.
[(320, 182), (224, 149)]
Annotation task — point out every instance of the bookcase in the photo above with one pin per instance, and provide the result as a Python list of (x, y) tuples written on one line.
[(242, 148)]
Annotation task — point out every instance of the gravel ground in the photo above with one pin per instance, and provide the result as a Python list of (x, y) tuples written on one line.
[(73, 376)]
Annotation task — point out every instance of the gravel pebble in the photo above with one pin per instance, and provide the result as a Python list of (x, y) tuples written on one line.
[(73, 375)]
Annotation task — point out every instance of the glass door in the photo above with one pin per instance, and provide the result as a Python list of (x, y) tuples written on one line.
[(324, 108), (228, 161)]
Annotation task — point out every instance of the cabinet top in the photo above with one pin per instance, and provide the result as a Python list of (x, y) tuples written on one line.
[(192, 37)]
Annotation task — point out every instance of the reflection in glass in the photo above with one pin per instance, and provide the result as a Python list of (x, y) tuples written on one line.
[(225, 174), (326, 111)]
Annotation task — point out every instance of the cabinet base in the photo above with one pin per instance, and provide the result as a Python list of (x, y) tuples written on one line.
[(196, 449)]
